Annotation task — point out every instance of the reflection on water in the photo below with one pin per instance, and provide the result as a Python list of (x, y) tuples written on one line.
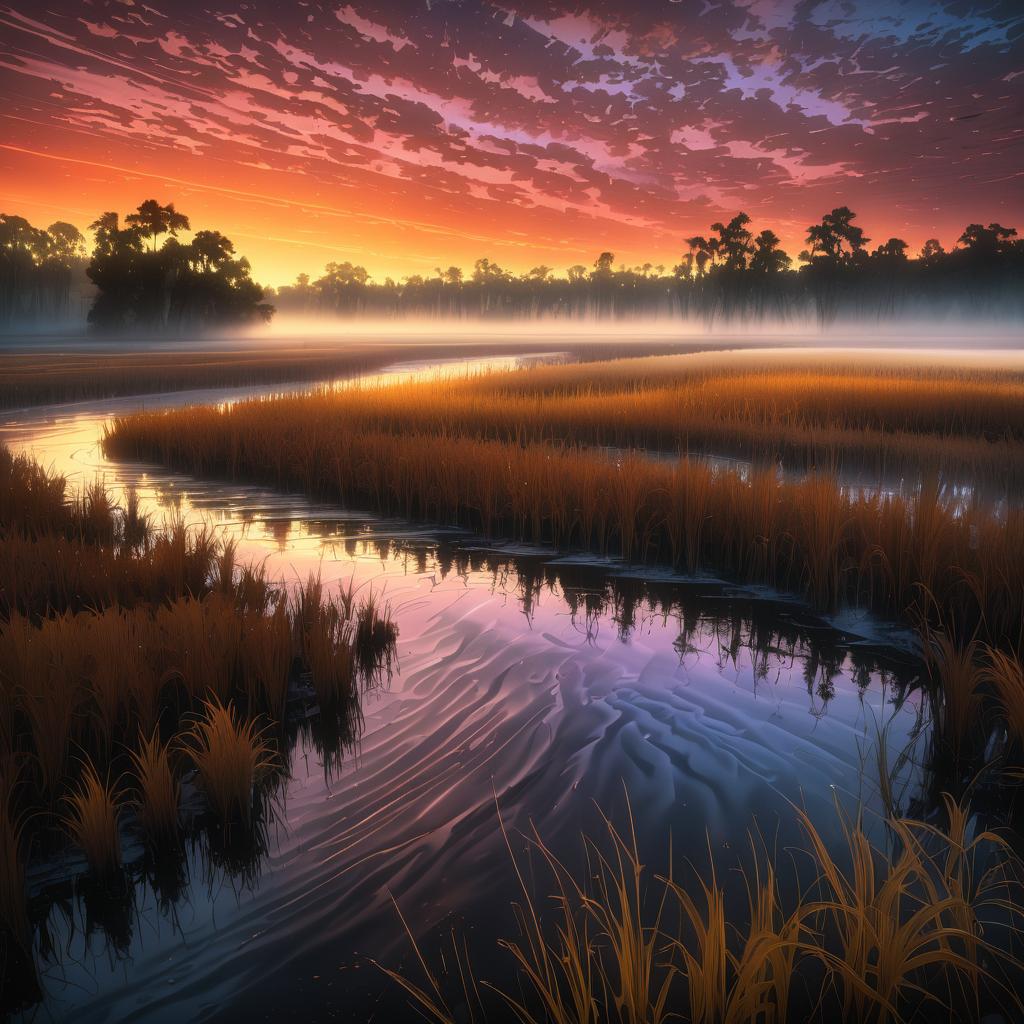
[(544, 686)]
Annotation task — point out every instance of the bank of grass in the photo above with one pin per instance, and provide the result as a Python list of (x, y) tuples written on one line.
[(890, 418), (920, 927), (901, 556), (43, 377), (48, 374), (129, 656)]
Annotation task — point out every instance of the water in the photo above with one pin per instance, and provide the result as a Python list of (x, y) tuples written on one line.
[(533, 686)]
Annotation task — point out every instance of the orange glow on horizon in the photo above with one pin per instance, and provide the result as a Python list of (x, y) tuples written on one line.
[(351, 135), (265, 228)]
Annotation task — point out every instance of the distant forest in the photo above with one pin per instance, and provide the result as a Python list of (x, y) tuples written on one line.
[(729, 274)]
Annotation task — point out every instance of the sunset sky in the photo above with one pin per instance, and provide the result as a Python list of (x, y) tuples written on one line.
[(406, 136)]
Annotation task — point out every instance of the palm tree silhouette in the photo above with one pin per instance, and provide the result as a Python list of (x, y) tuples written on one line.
[(152, 220)]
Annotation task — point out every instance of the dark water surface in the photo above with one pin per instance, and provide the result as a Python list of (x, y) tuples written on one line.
[(527, 684)]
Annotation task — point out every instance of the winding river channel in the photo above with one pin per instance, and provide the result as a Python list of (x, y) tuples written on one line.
[(542, 688)]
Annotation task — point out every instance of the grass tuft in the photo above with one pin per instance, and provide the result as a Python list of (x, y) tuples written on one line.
[(231, 757), (91, 820)]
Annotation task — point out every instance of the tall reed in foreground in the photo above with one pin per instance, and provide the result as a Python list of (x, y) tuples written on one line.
[(91, 820), (924, 932), (956, 677), (1006, 676), (158, 792), (231, 756)]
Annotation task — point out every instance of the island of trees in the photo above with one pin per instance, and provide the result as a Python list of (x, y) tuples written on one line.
[(139, 282), (137, 285)]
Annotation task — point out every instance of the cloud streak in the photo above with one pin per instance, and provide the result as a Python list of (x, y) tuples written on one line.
[(454, 129)]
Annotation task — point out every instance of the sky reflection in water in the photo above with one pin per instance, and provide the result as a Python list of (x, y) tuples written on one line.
[(545, 687)]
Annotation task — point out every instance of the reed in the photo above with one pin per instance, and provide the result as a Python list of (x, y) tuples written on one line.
[(924, 932), (266, 657), (91, 820), (375, 635), (31, 498), (1005, 674), (327, 643), (957, 678), (894, 419), (97, 681), (53, 574), (831, 544), (231, 757), (203, 641), (158, 793), (47, 677)]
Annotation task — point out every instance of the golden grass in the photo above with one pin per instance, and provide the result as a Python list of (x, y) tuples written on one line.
[(91, 820), (231, 756), (327, 643), (34, 503), (111, 636), (1005, 674), (374, 636), (875, 937), (887, 418), (957, 676), (44, 575), (158, 792), (810, 536), (266, 657)]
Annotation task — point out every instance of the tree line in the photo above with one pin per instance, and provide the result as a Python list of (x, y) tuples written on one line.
[(37, 269), (731, 273), (137, 285)]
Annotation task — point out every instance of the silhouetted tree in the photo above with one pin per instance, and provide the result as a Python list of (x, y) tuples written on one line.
[(197, 285), (767, 257), (995, 240), (734, 242), (153, 220), (730, 273), (836, 238)]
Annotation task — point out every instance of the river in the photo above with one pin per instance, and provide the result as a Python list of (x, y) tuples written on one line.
[(529, 685)]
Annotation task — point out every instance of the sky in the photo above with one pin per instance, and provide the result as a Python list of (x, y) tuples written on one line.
[(405, 136)]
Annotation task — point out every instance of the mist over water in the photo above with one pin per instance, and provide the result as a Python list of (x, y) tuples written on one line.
[(915, 333)]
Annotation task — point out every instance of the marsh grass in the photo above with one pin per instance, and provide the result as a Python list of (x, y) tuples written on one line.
[(130, 652), (231, 756), (834, 546), (375, 635), (892, 419), (957, 677), (867, 935), (91, 820), (327, 643), (157, 792), (52, 574), (1005, 675)]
